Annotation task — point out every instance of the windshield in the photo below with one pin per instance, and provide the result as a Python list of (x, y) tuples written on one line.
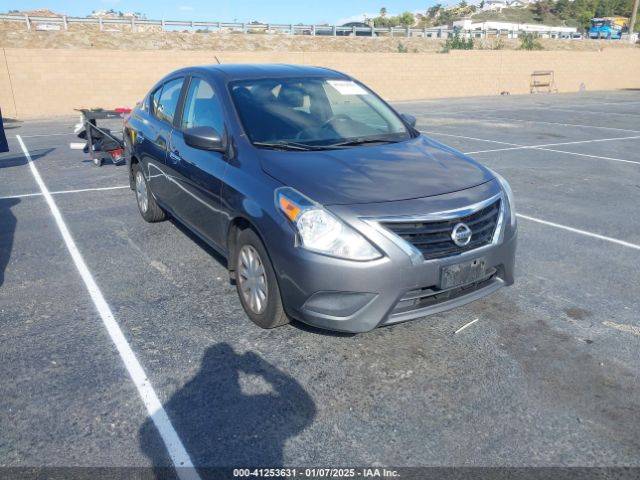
[(311, 113)]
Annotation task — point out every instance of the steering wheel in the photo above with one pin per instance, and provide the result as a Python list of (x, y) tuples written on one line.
[(339, 116)]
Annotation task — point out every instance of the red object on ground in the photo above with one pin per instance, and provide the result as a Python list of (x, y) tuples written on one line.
[(117, 153), (122, 110)]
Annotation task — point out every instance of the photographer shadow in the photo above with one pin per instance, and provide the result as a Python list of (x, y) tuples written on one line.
[(8, 224), (238, 411)]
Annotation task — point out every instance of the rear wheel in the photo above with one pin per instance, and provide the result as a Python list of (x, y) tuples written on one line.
[(256, 282), (149, 208)]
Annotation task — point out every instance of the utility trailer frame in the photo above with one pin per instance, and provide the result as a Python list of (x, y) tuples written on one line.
[(102, 143)]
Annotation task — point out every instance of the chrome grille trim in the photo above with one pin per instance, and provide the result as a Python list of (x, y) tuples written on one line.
[(415, 254)]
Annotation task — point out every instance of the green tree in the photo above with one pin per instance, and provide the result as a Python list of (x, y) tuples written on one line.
[(383, 12), (434, 11), (406, 19), (542, 9)]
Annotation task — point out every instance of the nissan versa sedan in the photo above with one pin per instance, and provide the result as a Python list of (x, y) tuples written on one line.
[(329, 206)]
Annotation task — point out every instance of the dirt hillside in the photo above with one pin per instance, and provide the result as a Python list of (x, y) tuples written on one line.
[(15, 35)]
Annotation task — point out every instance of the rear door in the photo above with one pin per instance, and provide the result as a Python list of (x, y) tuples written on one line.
[(153, 136), (199, 173)]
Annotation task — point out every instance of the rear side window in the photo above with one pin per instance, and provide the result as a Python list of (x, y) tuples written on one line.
[(154, 97), (202, 107), (164, 102)]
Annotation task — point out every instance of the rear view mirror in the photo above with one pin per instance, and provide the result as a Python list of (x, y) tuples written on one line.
[(204, 138), (410, 119)]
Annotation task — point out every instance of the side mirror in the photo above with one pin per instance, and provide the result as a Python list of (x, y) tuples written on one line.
[(204, 138), (410, 119)]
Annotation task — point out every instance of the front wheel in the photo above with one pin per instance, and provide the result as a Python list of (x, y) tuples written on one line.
[(149, 208), (256, 282)]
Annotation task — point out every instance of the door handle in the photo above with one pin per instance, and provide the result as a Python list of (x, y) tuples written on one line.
[(140, 138), (175, 156)]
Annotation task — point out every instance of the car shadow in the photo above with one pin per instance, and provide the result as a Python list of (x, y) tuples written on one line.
[(320, 331), (8, 221), (11, 123), (198, 241), (238, 411), (18, 159)]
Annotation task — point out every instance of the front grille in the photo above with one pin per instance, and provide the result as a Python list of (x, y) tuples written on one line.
[(433, 238)]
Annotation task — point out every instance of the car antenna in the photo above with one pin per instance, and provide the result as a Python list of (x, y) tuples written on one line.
[(217, 59)]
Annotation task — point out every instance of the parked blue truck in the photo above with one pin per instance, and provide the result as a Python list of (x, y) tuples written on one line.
[(610, 28)]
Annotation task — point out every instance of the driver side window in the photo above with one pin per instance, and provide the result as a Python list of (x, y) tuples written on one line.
[(202, 107)]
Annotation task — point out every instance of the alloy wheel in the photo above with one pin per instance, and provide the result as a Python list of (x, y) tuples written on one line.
[(252, 279), (141, 192)]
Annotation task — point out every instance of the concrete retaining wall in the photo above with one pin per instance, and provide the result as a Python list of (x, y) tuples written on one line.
[(52, 82)]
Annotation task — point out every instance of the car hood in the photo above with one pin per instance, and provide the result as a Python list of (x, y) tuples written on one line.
[(420, 167)]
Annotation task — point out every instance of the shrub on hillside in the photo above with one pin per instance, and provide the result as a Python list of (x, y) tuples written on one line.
[(457, 42), (529, 41)]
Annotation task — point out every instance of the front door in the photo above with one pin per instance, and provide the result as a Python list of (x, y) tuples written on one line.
[(198, 174)]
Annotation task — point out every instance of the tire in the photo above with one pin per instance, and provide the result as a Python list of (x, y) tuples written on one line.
[(147, 205), (265, 310)]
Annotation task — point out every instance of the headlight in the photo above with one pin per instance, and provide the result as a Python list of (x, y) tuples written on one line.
[(509, 193), (321, 231)]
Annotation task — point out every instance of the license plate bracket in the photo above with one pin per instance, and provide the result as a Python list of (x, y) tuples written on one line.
[(462, 273)]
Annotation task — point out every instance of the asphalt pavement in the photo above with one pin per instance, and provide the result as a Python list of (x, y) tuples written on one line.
[(547, 376)]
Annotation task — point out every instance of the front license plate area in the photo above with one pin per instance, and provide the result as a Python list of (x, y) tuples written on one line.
[(462, 273)]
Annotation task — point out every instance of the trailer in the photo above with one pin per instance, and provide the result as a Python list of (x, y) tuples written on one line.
[(101, 143)]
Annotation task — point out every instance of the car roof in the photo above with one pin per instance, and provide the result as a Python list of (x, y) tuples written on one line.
[(238, 71)]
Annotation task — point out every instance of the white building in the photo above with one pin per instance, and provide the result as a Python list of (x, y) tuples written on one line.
[(494, 5), (468, 24)]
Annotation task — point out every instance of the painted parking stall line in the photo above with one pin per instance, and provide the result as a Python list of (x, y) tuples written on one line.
[(542, 146), (527, 147), (581, 232), (501, 119), (63, 192), (175, 448), (473, 138)]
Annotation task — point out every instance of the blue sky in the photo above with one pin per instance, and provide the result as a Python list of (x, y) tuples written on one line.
[(274, 11)]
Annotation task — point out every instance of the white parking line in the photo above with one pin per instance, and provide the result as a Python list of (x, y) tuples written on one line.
[(581, 232), (472, 138), (589, 156), (555, 144), (521, 147), (44, 135), (624, 114), (60, 192), (175, 448), (500, 119)]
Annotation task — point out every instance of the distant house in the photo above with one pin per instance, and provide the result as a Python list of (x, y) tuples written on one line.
[(517, 4), (498, 5)]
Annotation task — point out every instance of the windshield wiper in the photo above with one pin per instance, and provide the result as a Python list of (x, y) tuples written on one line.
[(361, 141), (285, 146)]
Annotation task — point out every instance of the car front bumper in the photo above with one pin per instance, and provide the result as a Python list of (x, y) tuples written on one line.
[(351, 296)]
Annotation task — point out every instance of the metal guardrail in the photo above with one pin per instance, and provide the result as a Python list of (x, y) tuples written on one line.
[(272, 28)]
